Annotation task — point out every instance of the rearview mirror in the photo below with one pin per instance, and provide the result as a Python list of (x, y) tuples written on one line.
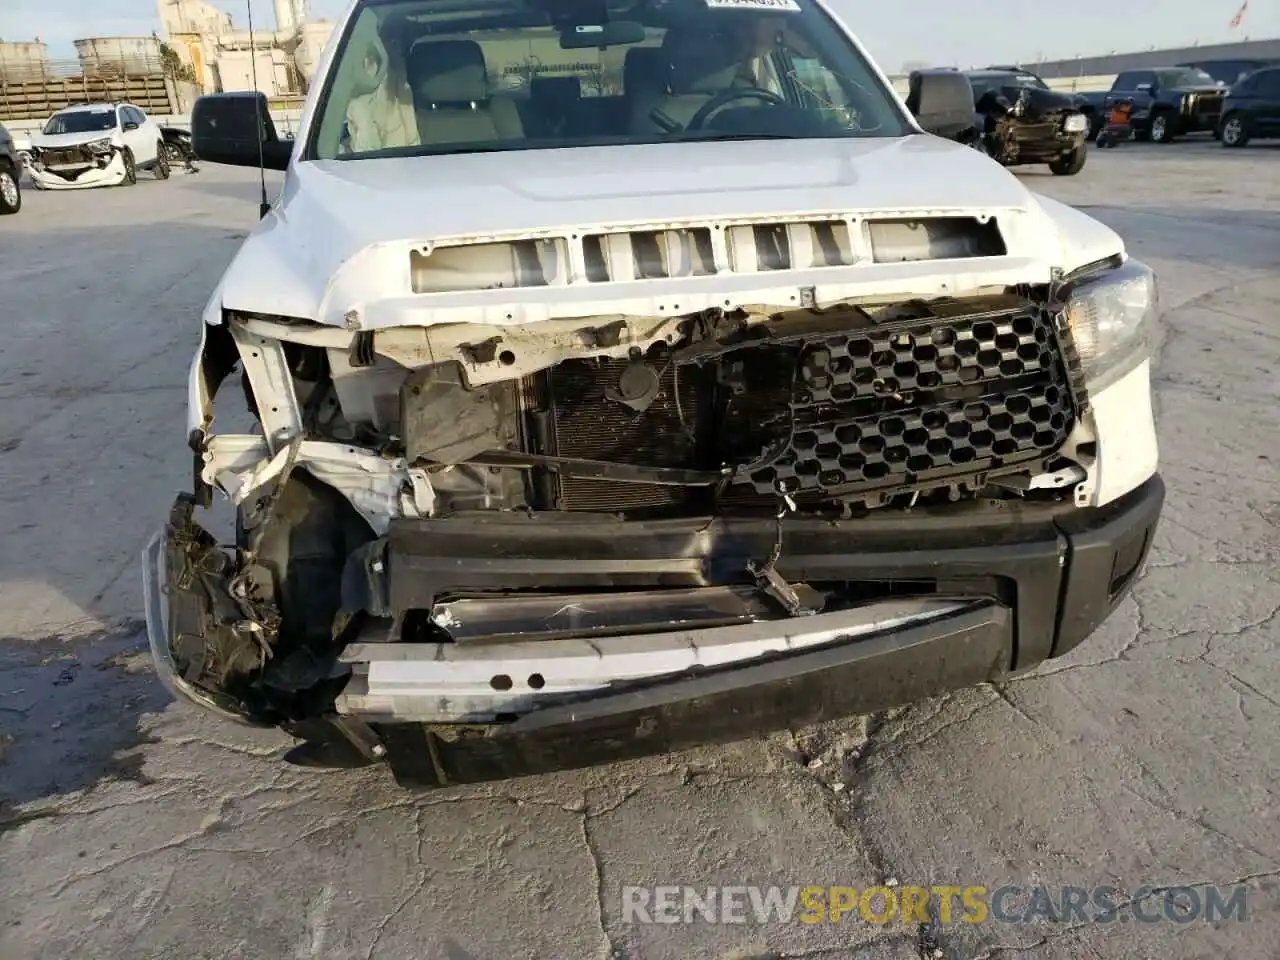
[(616, 33), (1145, 87), (942, 102), (236, 129)]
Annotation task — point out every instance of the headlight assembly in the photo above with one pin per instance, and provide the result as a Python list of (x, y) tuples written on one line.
[(1112, 317), (99, 146), (1075, 123)]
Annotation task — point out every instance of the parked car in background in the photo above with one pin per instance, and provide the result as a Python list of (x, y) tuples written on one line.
[(1169, 102), (1229, 72), (1021, 121), (10, 174), (97, 145), (1252, 109)]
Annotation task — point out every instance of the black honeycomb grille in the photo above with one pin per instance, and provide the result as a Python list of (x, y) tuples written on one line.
[(899, 405)]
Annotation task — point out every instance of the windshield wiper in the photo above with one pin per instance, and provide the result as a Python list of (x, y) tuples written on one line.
[(394, 153), (698, 135)]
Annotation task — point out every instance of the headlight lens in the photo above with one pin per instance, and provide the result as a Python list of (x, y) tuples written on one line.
[(99, 146), (1112, 318), (1076, 123)]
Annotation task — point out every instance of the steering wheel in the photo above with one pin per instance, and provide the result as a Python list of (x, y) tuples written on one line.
[(725, 97)]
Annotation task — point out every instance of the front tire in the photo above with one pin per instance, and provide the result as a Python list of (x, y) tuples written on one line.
[(10, 192), (1070, 164), (161, 167), (1234, 131), (130, 168), (1162, 128)]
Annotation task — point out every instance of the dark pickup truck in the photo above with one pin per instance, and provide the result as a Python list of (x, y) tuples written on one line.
[(1169, 102), (1252, 108), (1020, 120)]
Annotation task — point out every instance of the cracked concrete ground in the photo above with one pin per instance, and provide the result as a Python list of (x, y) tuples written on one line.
[(131, 827)]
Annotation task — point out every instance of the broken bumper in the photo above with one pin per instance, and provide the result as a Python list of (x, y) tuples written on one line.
[(1036, 149), (108, 176), (1011, 587)]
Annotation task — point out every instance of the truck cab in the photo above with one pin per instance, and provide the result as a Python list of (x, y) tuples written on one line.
[(701, 392)]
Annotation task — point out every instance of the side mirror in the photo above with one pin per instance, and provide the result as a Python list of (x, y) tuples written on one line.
[(130, 125), (942, 102), (236, 129)]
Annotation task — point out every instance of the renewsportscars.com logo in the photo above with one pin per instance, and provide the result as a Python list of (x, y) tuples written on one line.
[(942, 903)]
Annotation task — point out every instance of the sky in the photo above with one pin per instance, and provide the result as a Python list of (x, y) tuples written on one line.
[(941, 32)]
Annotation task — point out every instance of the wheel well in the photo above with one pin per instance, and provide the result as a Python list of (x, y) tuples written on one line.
[(305, 548)]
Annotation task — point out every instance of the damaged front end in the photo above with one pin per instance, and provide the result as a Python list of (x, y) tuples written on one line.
[(1024, 125), (97, 164), (469, 524)]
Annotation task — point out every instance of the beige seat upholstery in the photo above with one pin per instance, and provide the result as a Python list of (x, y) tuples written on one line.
[(695, 67), (451, 94)]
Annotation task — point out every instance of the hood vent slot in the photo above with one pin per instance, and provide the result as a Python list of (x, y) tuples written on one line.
[(649, 255), (935, 238), (487, 266)]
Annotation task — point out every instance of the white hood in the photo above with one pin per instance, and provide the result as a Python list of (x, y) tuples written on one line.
[(340, 234), (58, 141)]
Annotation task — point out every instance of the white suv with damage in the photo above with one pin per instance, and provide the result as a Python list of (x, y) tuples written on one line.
[(638, 374), (96, 145)]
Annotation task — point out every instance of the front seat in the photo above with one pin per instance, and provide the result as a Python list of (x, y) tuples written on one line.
[(695, 67), (451, 95)]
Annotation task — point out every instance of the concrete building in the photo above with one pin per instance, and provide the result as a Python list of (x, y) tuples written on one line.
[(279, 61), (191, 27), (1112, 63)]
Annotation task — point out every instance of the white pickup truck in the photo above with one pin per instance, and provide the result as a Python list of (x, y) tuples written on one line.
[(637, 374)]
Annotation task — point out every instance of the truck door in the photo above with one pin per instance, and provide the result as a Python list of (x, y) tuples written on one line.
[(1266, 108), (1138, 85)]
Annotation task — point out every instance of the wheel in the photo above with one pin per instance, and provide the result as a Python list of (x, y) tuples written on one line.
[(173, 152), (1161, 128), (161, 167), (10, 192), (130, 169), (1069, 165), (1234, 131)]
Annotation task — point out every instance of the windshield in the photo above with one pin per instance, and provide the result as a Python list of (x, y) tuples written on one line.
[(1024, 80), (1168, 79), (984, 83), (81, 121), (420, 77)]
